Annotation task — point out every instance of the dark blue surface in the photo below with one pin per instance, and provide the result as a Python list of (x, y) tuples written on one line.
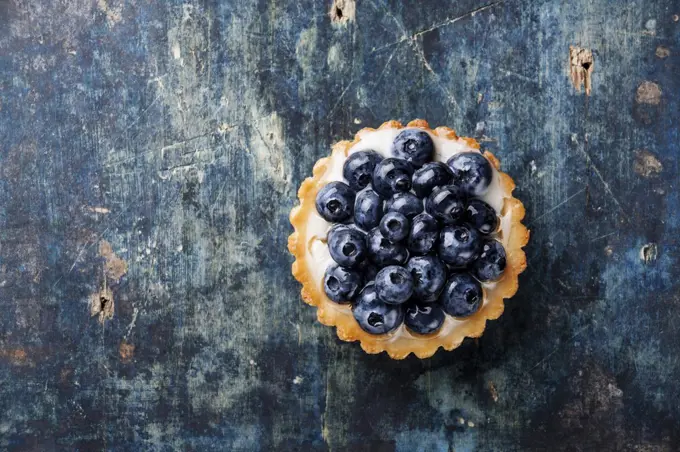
[(178, 133)]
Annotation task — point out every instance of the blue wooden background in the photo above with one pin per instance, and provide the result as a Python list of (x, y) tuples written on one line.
[(150, 152)]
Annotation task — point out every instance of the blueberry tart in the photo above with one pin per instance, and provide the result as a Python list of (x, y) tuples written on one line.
[(408, 239)]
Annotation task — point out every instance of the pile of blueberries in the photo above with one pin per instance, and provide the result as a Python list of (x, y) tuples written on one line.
[(411, 240)]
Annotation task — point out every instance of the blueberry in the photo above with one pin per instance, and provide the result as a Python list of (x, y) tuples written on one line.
[(459, 245), (491, 262), (462, 295), (341, 284), (392, 176), (414, 146), (447, 204), (423, 235), (394, 226), (383, 252), (482, 216), (358, 169), (335, 202), (429, 276), (471, 172), (347, 245), (424, 318), (368, 209), (433, 174), (406, 203), (394, 284), (368, 270), (375, 316)]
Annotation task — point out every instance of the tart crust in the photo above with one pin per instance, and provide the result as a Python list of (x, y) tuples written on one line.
[(398, 346)]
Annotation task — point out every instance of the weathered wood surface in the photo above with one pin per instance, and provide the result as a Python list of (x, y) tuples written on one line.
[(150, 153)]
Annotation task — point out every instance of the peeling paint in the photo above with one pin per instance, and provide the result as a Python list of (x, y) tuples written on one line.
[(648, 93), (102, 304), (662, 52), (114, 267), (581, 68), (126, 351), (16, 356), (113, 14), (343, 11), (646, 164), (102, 210)]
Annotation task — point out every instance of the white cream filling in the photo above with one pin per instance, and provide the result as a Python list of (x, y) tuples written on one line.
[(381, 141)]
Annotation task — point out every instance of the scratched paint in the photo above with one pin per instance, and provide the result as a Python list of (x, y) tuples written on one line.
[(177, 133)]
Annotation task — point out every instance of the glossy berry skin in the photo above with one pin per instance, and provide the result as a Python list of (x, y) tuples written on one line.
[(413, 145), (481, 216), (423, 234), (359, 167), (395, 226), (406, 203), (375, 316), (491, 262), (471, 172), (382, 252), (429, 276), (447, 204), (368, 209), (335, 202), (423, 318), (347, 245), (462, 295), (433, 174), (341, 284), (459, 245), (394, 284), (392, 176)]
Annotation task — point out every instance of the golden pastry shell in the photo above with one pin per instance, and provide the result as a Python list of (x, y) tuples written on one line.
[(398, 346)]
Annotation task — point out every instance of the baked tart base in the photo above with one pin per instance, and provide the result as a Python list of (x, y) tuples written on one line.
[(400, 343)]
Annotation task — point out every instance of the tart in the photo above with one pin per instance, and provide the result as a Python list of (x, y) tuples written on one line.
[(408, 239)]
